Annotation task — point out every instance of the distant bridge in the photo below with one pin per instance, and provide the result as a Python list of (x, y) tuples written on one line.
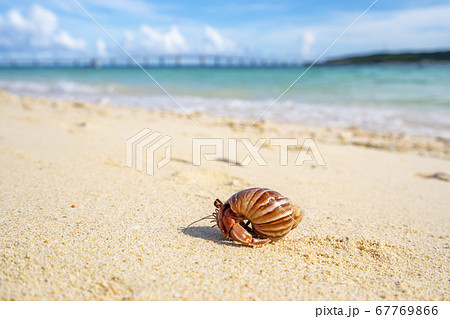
[(151, 61)]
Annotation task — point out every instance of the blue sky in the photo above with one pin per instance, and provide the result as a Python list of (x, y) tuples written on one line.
[(282, 29)]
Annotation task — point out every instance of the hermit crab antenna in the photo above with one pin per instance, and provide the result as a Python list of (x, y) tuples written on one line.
[(206, 217)]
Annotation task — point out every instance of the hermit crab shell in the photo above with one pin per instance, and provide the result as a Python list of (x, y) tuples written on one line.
[(272, 215)]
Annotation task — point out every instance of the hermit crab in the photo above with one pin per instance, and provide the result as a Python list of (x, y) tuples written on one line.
[(256, 216)]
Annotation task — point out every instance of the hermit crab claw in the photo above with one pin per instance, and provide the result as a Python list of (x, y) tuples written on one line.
[(230, 225), (238, 233)]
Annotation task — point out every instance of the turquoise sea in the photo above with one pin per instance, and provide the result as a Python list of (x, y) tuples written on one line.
[(412, 99)]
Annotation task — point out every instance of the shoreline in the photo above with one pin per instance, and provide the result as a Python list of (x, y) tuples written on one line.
[(432, 146), (418, 104), (376, 220)]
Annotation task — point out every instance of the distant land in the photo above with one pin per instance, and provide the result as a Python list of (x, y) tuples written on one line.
[(425, 57)]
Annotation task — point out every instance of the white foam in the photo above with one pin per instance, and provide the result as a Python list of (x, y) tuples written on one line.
[(435, 122)]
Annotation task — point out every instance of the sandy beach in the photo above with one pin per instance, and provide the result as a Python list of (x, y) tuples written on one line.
[(77, 223)]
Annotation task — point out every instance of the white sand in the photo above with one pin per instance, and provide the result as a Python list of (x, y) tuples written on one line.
[(376, 227)]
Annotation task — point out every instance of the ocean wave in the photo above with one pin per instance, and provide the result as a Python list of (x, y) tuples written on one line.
[(372, 116)]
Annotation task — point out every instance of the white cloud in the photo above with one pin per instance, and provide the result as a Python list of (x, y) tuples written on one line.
[(215, 42), (38, 30), (424, 28), (42, 20), (148, 39), (308, 41), (35, 31), (16, 20), (66, 41), (410, 29), (101, 48), (158, 41), (129, 38)]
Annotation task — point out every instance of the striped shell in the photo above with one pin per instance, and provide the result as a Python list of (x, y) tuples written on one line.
[(272, 215)]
